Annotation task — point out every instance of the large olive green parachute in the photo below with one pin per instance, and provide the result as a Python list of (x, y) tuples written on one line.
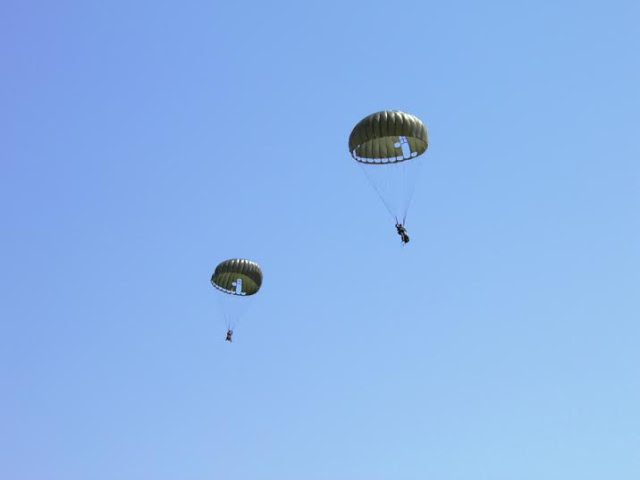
[(237, 276), (389, 136), (388, 146)]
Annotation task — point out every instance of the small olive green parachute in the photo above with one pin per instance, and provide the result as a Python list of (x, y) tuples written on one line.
[(389, 136), (237, 276)]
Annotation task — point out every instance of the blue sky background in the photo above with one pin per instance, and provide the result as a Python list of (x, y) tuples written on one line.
[(144, 142)]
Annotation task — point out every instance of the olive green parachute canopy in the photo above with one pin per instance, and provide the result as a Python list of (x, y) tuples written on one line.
[(237, 277), (387, 137)]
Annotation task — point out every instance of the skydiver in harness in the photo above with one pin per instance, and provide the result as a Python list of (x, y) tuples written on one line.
[(229, 335), (402, 232)]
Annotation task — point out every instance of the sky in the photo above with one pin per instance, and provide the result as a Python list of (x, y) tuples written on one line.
[(142, 143)]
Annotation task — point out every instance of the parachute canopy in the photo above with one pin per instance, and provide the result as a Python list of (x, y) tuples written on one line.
[(237, 276), (389, 136)]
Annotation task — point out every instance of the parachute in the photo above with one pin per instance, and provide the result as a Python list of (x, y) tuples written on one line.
[(387, 145), (237, 277), (236, 280)]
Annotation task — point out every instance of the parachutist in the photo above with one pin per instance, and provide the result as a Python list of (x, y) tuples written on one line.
[(235, 279), (388, 146), (402, 232)]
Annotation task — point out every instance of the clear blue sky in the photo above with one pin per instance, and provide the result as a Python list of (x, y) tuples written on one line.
[(144, 142)]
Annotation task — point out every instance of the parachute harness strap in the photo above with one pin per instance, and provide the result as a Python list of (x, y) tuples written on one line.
[(375, 187), (411, 191), (227, 321)]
